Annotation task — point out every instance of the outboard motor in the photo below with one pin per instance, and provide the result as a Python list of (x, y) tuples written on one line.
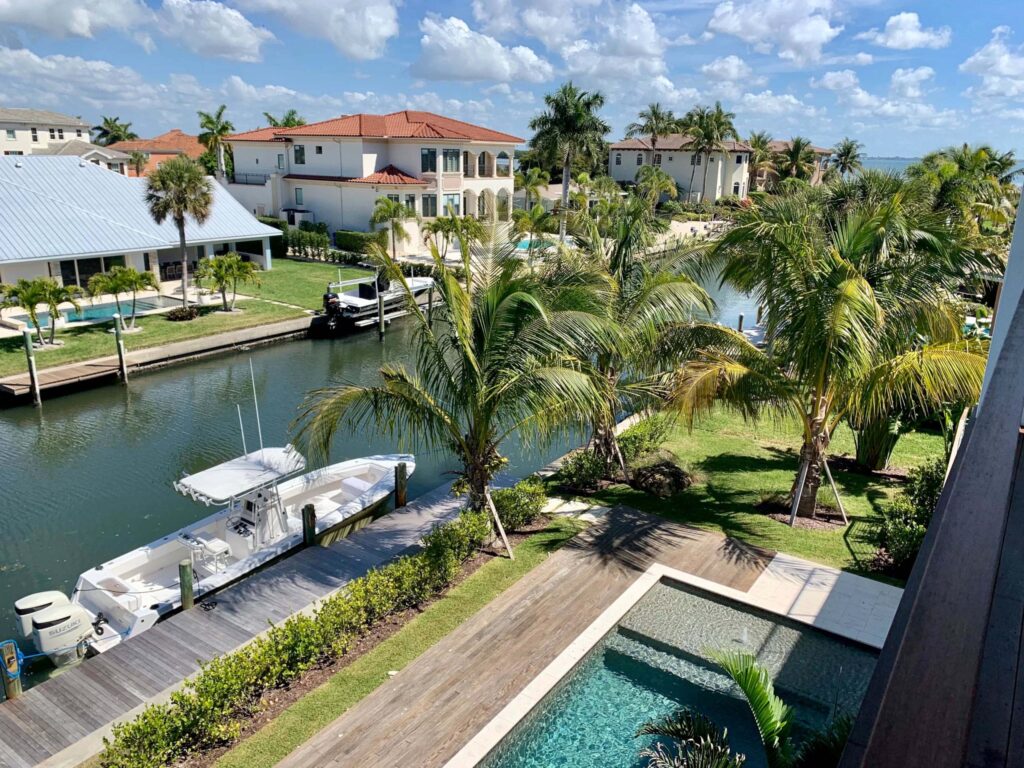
[(30, 605), (61, 632)]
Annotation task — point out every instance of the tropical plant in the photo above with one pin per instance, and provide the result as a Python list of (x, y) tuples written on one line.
[(762, 159), (846, 156), (226, 272), (501, 359), (569, 127), (858, 317), (290, 119), (137, 161), (214, 128), (796, 160), (699, 743), (111, 130), (708, 130), (654, 121), (29, 295), (652, 183), (180, 190), (532, 223), (441, 230), (531, 182), (121, 280), (394, 214)]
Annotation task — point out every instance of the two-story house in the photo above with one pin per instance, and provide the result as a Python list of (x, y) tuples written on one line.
[(334, 171), (726, 172), (26, 131)]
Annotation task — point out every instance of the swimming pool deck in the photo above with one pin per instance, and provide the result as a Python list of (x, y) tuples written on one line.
[(62, 721), (453, 703)]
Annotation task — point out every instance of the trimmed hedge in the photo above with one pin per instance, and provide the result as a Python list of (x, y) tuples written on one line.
[(521, 504), (308, 244), (278, 245), (211, 706), (644, 437), (359, 242)]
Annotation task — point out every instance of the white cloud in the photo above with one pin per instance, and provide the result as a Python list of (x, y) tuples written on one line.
[(1000, 67), (506, 90), (450, 50), (904, 32), (74, 18), (906, 110), (774, 104), (627, 48), (860, 59), (360, 29), (727, 68), (553, 23), (212, 29), (844, 79), (797, 29), (687, 39), (908, 83)]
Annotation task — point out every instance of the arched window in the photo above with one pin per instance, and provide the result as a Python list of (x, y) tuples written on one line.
[(503, 164), (481, 164), (503, 208)]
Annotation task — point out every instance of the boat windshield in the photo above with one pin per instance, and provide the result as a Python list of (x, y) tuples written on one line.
[(224, 482)]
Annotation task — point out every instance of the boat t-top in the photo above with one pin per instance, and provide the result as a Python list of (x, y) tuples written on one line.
[(260, 497)]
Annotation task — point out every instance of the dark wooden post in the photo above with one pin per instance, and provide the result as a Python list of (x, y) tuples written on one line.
[(401, 484), (11, 669), (122, 363), (380, 315), (33, 376), (760, 313), (430, 305), (739, 325), (185, 580), (309, 525)]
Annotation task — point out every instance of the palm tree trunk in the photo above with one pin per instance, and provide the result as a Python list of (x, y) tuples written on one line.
[(234, 293), (220, 160), (133, 310), (566, 173), (704, 183), (811, 455), (875, 442), (184, 263), (693, 171), (224, 297)]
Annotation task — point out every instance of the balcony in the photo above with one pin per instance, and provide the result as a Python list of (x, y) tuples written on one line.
[(255, 179)]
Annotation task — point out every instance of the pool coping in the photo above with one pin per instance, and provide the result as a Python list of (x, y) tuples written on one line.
[(794, 588)]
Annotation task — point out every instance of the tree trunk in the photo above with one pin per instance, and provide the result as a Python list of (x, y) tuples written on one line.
[(53, 324), (39, 330), (224, 297), (875, 442), (811, 454), (693, 172), (234, 293), (704, 184), (566, 174), (133, 310), (184, 263), (220, 161)]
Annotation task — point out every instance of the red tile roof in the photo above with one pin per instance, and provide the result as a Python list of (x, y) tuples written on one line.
[(674, 141), (174, 142), (782, 146), (385, 176), (407, 124)]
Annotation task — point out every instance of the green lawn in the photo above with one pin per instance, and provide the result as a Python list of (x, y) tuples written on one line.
[(299, 282), (305, 717), (736, 464), (89, 341)]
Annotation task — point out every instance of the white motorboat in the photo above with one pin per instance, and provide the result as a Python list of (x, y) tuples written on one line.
[(354, 302), (261, 497)]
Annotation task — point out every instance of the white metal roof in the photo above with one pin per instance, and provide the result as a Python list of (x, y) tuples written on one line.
[(63, 207), (234, 478)]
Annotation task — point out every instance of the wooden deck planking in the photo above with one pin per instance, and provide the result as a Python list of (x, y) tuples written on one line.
[(433, 707)]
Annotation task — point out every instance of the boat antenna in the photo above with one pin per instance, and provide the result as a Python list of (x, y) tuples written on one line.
[(255, 402), (241, 426)]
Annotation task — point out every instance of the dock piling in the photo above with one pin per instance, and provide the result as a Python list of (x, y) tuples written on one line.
[(122, 362), (185, 579), (401, 484), (760, 313), (430, 305), (309, 525), (380, 315), (739, 325), (11, 671), (33, 375)]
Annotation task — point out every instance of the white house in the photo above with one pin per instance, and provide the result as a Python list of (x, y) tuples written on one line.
[(68, 219), (105, 157), (26, 131), (334, 171), (727, 172)]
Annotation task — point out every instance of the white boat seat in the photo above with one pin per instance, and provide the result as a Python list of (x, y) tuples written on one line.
[(356, 486), (214, 546)]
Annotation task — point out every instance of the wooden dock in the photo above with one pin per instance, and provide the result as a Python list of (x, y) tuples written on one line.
[(62, 722)]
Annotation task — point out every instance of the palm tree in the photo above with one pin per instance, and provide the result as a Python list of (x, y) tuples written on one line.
[(111, 130), (394, 214), (858, 316), (442, 231), (137, 161), (652, 183), (227, 271), (762, 158), (694, 124), (797, 159), (504, 360), (107, 283), (289, 119), (846, 157), (179, 189), (569, 127), (132, 281), (29, 295), (214, 129), (531, 223), (531, 182), (717, 129), (654, 121)]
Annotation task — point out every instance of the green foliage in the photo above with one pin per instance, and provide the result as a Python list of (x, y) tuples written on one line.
[(278, 245), (905, 519), (521, 504), (359, 242), (925, 485), (180, 314), (582, 470), (209, 708), (824, 749), (644, 437), (313, 226), (309, 245)]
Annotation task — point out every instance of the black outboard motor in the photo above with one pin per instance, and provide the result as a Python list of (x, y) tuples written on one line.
[(332, 310)]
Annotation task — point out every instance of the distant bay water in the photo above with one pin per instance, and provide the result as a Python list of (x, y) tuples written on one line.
[(889, 163)]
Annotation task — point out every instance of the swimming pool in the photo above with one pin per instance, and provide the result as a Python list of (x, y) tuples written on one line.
[(655, 661), (95, 313), (524, 245)]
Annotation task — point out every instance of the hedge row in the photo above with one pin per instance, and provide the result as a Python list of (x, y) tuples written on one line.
[(211, 706), (359, 242), (278, 245)]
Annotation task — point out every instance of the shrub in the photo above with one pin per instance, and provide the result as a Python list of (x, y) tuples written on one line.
[(644, 437), (905, 519), (309, 245), (209, 708), (313, 226), (521, 504), (925, 485), (180, 314), (582, 470), (278, 245), (359, 242)]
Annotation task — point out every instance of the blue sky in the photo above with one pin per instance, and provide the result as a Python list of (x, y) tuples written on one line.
[(903, 77)]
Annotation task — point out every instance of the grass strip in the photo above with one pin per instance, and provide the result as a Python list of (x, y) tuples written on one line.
[(317, 709)]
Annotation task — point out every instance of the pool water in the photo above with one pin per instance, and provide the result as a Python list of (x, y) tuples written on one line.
[(524, 245), (655, 662), (94, 313)]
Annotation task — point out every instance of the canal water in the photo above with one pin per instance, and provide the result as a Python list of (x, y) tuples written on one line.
[(88, 476)]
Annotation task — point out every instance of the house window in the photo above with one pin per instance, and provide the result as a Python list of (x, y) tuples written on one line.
[(657, 158), (670, 158), (428, 160), (410, 202), (298, 195), (451, 204), (257, 161), (739, 159), (319, 149), (11, 136), (481, 164), (300, 154), (53, 134), (429, 207), (466, 166), (280, 160), (736, 188), (694, 159), (78, 132), (639, 159), (502, 164), (13, 152), (618, 158), (394, 198), (35, 134), (451, 160), (60, 134)]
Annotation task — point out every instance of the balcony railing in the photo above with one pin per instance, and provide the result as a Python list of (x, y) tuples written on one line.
[(256, 179)]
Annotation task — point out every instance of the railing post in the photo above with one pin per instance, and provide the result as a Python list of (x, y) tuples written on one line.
[(185, 580), (430, 305), (401, 484), (33, 375), (122, 363), (380, 315), (739, 325), (11, 671), (309, 525)]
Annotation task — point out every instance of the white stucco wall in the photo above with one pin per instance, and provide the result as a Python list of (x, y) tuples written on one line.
[(22, 141), (722, 171)]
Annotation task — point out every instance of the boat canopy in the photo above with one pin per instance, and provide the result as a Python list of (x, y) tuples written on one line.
[(235, 478)]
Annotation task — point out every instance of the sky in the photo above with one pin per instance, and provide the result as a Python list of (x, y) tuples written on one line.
[(902, 77)]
